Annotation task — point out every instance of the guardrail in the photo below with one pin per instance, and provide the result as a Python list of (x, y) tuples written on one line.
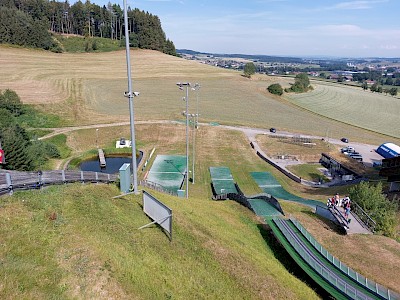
[(318, 266), (374, 287), (276, 166), (363, 216), (157, 187), (11, 181)]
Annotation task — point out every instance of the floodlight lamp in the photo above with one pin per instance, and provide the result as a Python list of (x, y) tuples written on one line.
[(183, 98), (136, 94)]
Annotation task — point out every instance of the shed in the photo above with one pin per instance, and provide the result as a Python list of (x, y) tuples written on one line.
[(388, 150)]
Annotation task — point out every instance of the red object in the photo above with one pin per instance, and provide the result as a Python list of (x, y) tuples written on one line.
[(1, 156)]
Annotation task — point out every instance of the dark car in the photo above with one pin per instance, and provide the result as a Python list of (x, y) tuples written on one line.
[(122, 141), (344, 140), (273, 130)]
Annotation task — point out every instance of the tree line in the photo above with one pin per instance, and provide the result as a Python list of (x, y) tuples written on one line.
[(31, 22), (21, 150)]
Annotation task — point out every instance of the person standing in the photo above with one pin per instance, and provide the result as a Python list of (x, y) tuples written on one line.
[(347, 211)]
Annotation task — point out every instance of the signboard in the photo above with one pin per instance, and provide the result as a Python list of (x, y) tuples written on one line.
[(158, 212), (2, 159)]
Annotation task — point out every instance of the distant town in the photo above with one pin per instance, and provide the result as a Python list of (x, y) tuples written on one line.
[(370, 71)]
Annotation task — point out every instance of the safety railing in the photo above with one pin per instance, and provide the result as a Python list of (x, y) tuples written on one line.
[(360, 279), (363, 216), (157, 187), (325, 272), (11, 181)]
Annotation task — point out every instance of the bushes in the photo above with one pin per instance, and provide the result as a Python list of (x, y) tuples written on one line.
[(275, 89), (373, 201), (301, 84)]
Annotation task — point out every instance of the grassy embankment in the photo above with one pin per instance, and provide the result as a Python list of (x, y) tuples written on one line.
[(72, 43), (76, 242), (86, 88)]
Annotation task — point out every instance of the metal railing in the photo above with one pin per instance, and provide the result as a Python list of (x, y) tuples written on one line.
[(11, 181), (325, 272), (363, 216), (157, 187), (360, 279)]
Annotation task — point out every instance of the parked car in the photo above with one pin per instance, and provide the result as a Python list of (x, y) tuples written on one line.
[(348, 149), (273, 130), (344, 140), (122, 141)]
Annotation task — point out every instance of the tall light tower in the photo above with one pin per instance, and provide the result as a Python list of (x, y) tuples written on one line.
[(130, 94), (186, 98), (196, 88)]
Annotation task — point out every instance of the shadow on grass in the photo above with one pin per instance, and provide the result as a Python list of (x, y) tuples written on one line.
[(288, 262)]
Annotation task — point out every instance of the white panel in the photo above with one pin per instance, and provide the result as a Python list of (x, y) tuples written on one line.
[(157, 211)]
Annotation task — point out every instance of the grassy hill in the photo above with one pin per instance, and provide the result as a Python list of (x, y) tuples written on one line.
[(76, 242), (77, 43), (87, 88)]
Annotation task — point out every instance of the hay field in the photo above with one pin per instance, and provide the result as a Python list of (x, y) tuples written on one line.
[(352, 105), (87, 88)]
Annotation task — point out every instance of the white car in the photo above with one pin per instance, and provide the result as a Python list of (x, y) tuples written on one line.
[(348, 150)]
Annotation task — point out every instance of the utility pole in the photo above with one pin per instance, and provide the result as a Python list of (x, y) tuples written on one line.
[(186, 98), (195, 125), (130, 94)]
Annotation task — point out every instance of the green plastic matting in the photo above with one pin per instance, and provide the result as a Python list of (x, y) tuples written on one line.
[(168, 171), (267, 182), (263, 208), (222, 180)]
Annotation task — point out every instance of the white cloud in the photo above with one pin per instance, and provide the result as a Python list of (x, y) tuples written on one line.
[(358, 4)]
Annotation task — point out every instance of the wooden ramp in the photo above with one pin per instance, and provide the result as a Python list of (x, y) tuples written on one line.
[(102, 158)]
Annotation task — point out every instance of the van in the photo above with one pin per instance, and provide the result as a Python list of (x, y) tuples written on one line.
[(357, 157)]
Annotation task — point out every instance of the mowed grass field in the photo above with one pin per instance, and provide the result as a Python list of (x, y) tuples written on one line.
[(88, 89), (352, 105)]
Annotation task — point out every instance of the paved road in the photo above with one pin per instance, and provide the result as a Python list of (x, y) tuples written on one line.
[(366, 150)]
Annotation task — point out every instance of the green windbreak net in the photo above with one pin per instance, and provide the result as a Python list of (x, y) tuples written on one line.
[(263, 208), (267, 182), (168, 171), (222, 180)]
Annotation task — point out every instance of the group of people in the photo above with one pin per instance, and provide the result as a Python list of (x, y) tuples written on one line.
[(341, 202)]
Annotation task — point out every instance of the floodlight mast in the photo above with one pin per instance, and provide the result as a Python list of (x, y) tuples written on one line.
[(187, 85), (195, 125), (130, 94)]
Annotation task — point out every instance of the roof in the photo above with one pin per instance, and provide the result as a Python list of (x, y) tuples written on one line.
[(388, 150)]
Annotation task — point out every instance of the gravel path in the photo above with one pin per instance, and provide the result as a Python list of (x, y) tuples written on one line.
[(366, 150)]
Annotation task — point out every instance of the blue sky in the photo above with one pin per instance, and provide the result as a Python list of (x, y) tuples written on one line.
[(366, 28)]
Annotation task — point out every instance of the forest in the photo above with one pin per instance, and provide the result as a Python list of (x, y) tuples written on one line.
[(32, 23), (22, 150)]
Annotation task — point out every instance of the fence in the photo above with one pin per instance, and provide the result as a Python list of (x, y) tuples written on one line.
[(356, 277), (11, 181), (284, 171), (317, 265), (363, 217), (157, 187)]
